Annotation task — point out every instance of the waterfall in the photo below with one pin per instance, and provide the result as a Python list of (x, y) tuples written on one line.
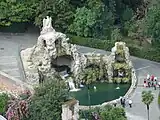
[(72, 85)]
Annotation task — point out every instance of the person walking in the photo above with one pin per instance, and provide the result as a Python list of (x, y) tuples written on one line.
[(148, 77), (155, 83), (145, 83), (124, 102), (130, 103), (159, 85), (152, 80), (115, 103), (121, 100), (149, 84)]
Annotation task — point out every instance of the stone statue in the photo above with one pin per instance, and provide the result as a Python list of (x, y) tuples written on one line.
[(47, 25)]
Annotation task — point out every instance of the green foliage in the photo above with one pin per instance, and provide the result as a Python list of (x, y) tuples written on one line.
[(47, 101), (150, 53), (127, 14), (116, 35), (122, 80), (90, 75), (3, 103), (61, 12), (88, 19), (91, 42), (113, 114), (84, 21), (152, 22), (159, 99), (118, 66), (107, 112), (93, 73), (14, 11), (147, 97)]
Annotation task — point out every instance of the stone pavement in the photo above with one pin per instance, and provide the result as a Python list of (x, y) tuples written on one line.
[(10, 46), (143, 67), (10, 63)]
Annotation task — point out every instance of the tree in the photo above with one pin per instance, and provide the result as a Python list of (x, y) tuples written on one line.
[(147, 98), (113, 113), (107, 112), (15, 11), (61, 12), (47, 101), (152, 23), (116, 35), (91, 20)]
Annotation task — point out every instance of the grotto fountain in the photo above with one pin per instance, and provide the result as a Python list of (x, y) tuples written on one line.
[(53, 55)]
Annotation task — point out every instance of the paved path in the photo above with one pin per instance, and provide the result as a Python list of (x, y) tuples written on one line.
[(11, 64)]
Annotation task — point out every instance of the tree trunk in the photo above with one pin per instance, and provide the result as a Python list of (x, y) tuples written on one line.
[(148, 111)]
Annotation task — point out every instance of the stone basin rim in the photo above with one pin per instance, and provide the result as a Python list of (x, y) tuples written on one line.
[(127, 95)]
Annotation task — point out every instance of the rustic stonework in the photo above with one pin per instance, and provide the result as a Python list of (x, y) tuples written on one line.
[(70, 110), (51, 45)]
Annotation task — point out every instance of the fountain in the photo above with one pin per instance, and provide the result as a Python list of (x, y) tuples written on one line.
[(104, 92), (54, 54)]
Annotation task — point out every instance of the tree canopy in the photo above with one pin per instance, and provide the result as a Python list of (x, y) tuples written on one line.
[(147, 97), (107, 112), (47, 101)]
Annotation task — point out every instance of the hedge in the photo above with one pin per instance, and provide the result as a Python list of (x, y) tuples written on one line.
[(91, 42), (146, 53)]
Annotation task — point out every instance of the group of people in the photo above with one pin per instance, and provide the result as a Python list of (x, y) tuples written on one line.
[(151, 81), (123, 102)]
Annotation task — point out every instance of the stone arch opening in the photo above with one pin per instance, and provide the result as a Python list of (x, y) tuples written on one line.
[(44, 43), (58, 45), (62, 64)]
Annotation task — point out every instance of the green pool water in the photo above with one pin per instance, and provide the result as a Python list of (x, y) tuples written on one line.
[(104, 92)]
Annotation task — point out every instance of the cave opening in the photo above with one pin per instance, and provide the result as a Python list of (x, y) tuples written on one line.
[(62, 64)]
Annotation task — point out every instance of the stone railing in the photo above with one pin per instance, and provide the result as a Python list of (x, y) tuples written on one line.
[(126, 96), (13, 86)]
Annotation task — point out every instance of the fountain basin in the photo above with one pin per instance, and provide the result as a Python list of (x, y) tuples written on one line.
[(104, 92)]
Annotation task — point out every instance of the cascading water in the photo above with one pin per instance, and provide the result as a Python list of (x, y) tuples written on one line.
[(72, 85)]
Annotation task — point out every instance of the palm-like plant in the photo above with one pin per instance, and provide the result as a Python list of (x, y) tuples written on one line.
[(147, 98)]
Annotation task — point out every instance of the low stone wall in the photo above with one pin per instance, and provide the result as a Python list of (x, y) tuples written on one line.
[(70, 110), (13, 86), (126, 96)]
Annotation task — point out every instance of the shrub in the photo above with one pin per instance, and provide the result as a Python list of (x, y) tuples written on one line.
[(3, 102), (91, 42), (107, 112)]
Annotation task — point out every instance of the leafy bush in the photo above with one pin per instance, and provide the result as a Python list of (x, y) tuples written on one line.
[(146, 53), (107, 112), (152, 23), (46, 103), (91, 42), (3, 102)]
